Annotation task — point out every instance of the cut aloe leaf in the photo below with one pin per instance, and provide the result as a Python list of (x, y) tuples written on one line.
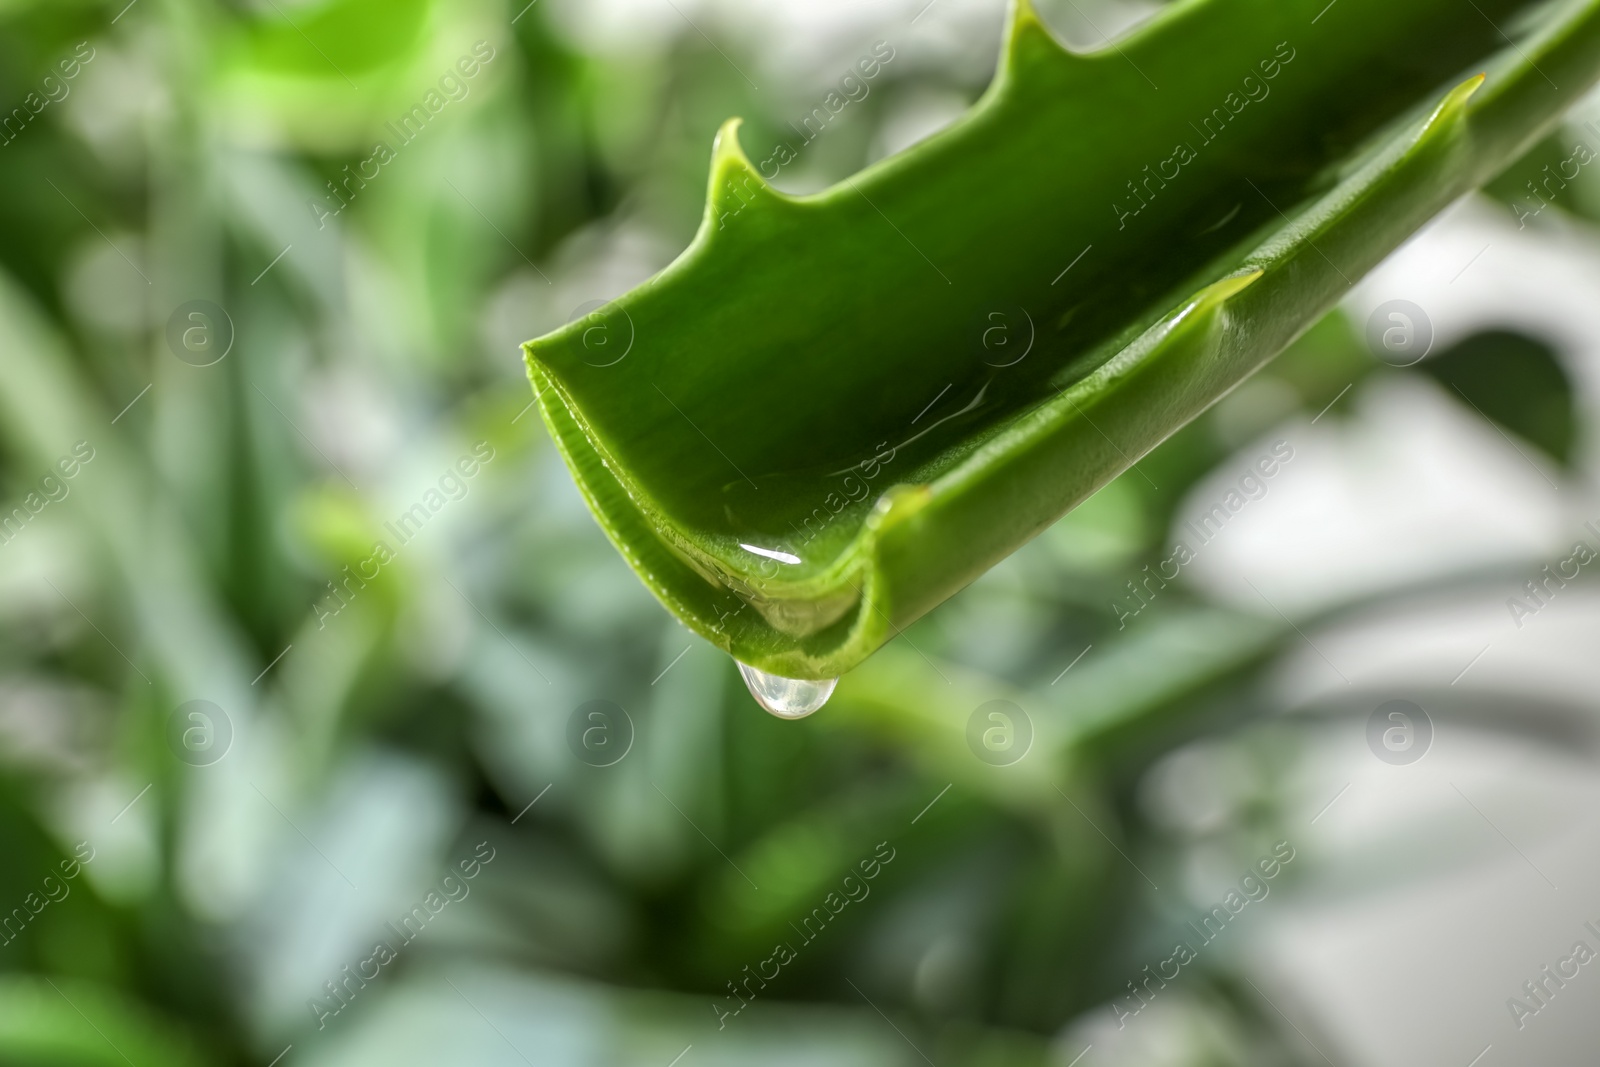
[(834, 411)]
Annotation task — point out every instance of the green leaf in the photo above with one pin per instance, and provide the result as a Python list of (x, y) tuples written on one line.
[(64, 1023), (834, 411), (1514, 381)]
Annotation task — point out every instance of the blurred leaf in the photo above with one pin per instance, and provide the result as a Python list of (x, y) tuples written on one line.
[(1514, 381), (349, 36), (55, 1022)]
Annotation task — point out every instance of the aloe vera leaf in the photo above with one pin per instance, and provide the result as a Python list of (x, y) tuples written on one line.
[(771, 452)]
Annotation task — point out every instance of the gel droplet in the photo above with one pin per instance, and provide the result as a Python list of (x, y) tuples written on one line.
[(787, 698)]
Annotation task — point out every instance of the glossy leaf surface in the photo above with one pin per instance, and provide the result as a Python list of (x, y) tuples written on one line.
[(834, 411)]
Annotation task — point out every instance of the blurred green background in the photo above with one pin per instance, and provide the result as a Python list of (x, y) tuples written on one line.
[(273, 339)]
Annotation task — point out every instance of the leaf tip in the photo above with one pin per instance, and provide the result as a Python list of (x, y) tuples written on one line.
[(1463, 92), (1215, 296), (1455, 101), (734, 183), (1219, 293), (1448, 115), (1024, 17), (530, 357), (1234, 284), (726, 143), (1027, 40)]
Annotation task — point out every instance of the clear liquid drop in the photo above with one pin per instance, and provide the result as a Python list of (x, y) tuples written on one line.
[(787, 698)]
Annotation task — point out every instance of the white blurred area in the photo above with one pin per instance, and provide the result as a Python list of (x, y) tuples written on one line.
[(1484, 848), (799, 44), (1416, 485)]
